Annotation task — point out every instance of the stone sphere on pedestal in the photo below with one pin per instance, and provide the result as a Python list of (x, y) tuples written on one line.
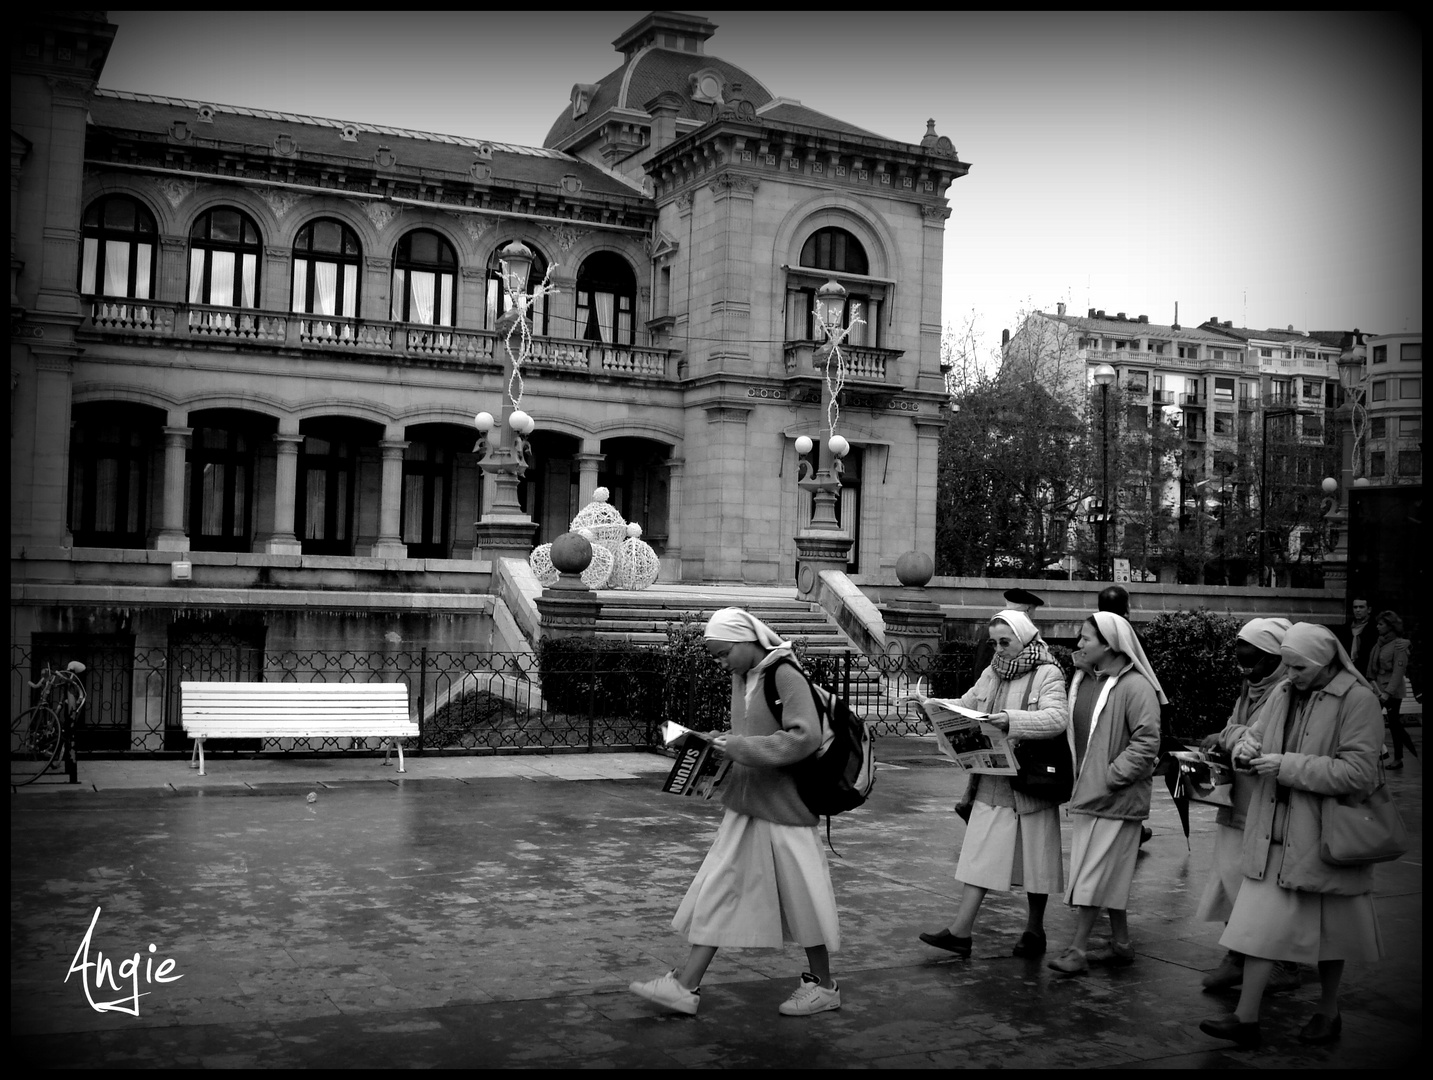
[(571, 554), (914, 569)]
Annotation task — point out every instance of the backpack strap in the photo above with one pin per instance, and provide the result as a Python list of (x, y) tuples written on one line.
[(768, 686)]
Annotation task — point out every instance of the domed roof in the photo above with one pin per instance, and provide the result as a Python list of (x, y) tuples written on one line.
[(663, 53)]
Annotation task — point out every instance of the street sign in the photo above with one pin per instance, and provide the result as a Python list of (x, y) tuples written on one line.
[(1121, 569)]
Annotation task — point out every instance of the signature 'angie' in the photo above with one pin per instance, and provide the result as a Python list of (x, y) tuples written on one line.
[(128, 970)]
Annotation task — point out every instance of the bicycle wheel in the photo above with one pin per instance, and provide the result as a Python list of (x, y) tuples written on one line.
[(35, 739)]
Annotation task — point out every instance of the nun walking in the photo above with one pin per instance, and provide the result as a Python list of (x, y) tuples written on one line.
[(1114, 736)]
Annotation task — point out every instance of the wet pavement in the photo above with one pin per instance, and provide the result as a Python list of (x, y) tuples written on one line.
[(490, 912)]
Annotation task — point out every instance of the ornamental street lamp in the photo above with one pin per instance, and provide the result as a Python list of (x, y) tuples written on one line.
[(824, 544), (1104, 375), (506, 530), (1350, 376)]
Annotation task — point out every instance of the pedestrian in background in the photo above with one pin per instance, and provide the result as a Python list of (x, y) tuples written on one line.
[(1011, 838), (1257, 653), (1357, 636), (1315, 739), (1387, 666), (1114, 736), (766, 872)]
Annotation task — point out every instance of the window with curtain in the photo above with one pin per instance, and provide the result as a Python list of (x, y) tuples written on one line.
[(427, 487), (835, 251), (326, 261), (110, 454), (424, 272), (224, 250), (497, 295), (324, 511), (606, 300), (117, 239), (219, 487)]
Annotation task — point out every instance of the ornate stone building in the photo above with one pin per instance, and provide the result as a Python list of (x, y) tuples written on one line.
[(248, 346)]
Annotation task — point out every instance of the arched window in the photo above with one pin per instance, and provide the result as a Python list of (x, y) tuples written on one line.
[(537, 314), (833, 252), (835, 249), (606, 299), (224, 250), (219, 485), (326, 258), (424, 271), (117, 249)]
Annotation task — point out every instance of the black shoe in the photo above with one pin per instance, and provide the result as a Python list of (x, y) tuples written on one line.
[(1029, 945), (1145, 833), (1230, 1027), (1394, 765), (1320, 1029), (949, 942)]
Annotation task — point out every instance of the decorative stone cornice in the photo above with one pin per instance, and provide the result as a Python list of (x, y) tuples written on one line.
[(734, 182)]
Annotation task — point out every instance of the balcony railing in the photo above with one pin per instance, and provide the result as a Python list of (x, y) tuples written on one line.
[(335, 334), (1164, 397), (863, 364), (1193, 401)]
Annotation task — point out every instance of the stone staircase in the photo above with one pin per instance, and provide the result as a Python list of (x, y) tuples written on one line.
[(641, 617)]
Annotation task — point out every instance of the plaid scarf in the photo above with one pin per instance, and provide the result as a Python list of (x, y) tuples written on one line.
[(1027, 660)]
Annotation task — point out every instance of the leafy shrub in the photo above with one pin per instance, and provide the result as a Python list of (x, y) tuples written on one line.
[(1192, 652)]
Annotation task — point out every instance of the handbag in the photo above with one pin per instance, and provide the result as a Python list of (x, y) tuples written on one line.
[(1364, 831), (1046, 770)]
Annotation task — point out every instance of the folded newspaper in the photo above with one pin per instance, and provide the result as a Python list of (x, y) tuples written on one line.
[(1206, 775), (700, 767), (965, 736)]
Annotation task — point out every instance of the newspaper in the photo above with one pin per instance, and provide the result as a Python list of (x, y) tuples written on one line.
[(700, 767), (965, 737), (1206, 775)]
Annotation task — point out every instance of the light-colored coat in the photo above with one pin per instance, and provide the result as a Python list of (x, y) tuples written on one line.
[(1049, 717), (1337, 755), (1116, 778)]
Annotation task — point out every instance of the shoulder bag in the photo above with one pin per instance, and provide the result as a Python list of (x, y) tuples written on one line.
[(1360, 832), (1046, 770)]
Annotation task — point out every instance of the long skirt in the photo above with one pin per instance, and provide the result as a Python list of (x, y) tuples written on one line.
[(1225, 876), (761, 884), (1103, 852), (1275, 923), (1003, 848)]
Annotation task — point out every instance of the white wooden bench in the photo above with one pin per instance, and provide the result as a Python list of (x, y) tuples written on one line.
[(246, 710)]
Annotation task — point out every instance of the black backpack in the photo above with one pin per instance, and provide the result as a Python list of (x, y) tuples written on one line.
[(839, 776)]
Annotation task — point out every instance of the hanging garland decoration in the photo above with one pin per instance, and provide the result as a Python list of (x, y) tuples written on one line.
[(833, 342), (523, 303)]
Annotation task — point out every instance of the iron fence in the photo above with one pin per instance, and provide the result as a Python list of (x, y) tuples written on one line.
[(463, 701)]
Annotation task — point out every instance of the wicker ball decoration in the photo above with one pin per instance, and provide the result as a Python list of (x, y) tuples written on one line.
[(600, 522), (597, 574), (640, 564), (541, 562)]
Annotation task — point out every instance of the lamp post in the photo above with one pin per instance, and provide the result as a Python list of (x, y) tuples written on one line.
[(824, 544), (506, 530), (1350, 376), (1104, 375)]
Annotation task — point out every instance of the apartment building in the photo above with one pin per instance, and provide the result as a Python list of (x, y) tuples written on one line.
[(1391, 444)]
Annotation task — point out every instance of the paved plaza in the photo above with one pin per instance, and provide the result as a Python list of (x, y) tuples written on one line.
[(490, 912)]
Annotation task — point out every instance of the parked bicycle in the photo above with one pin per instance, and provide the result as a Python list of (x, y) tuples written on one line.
[(37, 735)]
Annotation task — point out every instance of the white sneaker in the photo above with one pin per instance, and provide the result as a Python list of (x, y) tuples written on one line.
[(668, 993), (811, 997)]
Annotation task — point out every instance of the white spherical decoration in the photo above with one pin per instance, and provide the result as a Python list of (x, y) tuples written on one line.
[(633, 529), (600, 570), (803, 444), (485, 421), (601, 495), (586, 534), (838, 446), (541, 562), (520, 422)]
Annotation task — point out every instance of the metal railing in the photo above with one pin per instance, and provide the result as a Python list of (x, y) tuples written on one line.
[(463, 701)]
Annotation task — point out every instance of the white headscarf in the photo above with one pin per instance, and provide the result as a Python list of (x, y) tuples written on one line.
[(1316, 644), (1120, 635), (735, 624), (1018, 621), (1266, 635)]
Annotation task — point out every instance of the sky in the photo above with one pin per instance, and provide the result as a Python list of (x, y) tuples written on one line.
[(1265, 169)]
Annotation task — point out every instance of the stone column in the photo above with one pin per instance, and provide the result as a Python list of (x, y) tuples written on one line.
[(51, 478), (282, 540), (673, 552), (588, 461), (389, 544), (172, 536)]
